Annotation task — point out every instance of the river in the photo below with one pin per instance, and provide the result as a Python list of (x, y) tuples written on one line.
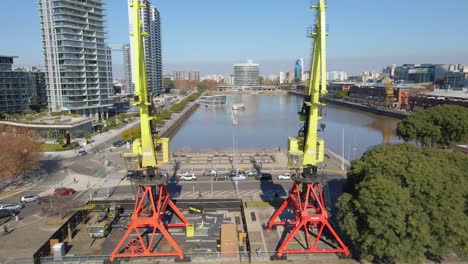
[(268, 121)]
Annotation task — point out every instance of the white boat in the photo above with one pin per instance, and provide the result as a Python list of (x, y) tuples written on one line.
[(238, 106)]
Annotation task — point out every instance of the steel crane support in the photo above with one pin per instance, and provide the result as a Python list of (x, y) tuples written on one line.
[(304, 153), (152, 198)]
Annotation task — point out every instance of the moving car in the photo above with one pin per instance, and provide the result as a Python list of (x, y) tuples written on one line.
[(221, 177), (30, 198), (182, 173), (284, 176), (64, 191), (11, 207), (210, 173), (82, 152), (189, 177), (239, 177), (264, 177)]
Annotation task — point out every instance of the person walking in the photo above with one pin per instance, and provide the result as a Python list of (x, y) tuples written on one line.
[(5, 230)]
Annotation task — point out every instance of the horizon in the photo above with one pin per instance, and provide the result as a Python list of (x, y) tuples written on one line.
[(356, 42)]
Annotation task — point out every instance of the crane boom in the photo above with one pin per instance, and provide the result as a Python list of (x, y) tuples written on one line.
[(307, 150), (144, 149)]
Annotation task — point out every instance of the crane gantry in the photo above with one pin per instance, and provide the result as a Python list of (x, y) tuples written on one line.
[(305, 152)]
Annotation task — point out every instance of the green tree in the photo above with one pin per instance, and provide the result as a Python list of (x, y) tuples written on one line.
[(111, 123), (121, 118), (402, 203), (442, 125), (342, 94), (87, 135), (168, 85), (60, 139), (201, 86)]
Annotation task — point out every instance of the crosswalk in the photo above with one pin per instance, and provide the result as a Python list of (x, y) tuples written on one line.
[(45, 185)]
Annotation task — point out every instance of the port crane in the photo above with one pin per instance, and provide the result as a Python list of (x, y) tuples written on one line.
[(146, 228), (305, 152)]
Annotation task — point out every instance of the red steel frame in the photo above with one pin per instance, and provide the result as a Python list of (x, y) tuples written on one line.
[(310, 212), (140, 218)]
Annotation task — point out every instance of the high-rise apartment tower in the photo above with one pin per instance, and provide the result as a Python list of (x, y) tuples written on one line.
[(77, 60), (151, 24)]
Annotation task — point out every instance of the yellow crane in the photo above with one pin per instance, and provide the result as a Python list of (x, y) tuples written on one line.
[(145, 149), (305, 152), (152, 199)]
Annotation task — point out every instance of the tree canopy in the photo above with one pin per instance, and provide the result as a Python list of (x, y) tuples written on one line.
[(19, 152), (402, 203), (441, 125)]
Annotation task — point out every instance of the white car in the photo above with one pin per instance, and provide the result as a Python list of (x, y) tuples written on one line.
[(189, 177), (239, 177), (284, 176), (11, 206), (183, 173), (29, 198), (210, 173)]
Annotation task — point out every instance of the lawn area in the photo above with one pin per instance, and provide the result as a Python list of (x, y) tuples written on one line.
[(58, 147)]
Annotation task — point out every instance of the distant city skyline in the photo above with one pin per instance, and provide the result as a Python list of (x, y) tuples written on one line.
[(364, 35)]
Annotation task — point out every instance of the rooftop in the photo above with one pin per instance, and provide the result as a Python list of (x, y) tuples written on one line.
[(47, 120), (460, 94)]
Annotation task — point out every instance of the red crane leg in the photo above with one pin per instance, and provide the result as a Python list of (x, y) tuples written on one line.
[(309, 210), (156, 203)]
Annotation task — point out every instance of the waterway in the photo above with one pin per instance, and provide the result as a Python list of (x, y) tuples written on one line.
[(268, 121)]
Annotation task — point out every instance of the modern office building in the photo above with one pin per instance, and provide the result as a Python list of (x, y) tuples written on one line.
[(151, 24), (15, 87), (128, 83), (77, 60), (194, 76), (298, 70), (247, 74)]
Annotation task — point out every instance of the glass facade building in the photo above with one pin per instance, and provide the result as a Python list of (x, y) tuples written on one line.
[(247, 74), (19, 88), (77, 60)]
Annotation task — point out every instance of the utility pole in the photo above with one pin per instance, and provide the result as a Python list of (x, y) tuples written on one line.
[(342, 151)]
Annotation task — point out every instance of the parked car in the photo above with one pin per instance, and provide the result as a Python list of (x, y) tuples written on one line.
[(82, 152), (232, 173), (221, 177), (284, 176), (251, 173), (134, 175), (189, 177), (30, 198), (264, 177), (5, 213), (11, 207), (239, 177), (210, 173), (118, 143), (64, 191)]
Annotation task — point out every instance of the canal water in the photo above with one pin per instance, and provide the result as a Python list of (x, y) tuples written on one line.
[(268, 120)]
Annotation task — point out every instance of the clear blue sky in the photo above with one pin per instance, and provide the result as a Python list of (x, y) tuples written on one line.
[(211, 35)]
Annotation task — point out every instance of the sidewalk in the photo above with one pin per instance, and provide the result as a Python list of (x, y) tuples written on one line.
[(98, 140)]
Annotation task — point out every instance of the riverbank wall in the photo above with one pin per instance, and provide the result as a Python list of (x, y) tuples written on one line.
[(359, 107), (171, 130)]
